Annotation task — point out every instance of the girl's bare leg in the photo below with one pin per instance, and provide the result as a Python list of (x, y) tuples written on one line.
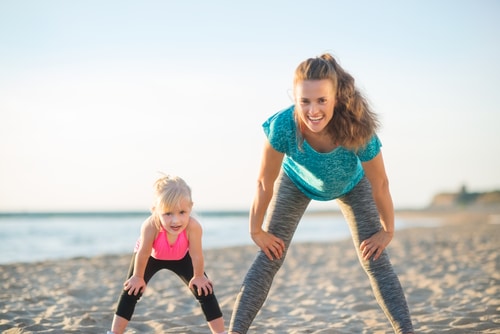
[(119, 324), (217, 325)]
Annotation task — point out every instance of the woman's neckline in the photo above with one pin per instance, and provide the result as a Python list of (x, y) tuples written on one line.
[(319, 144)]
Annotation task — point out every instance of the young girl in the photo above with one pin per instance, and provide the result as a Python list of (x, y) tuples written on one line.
[(170, 239), (324, 147)]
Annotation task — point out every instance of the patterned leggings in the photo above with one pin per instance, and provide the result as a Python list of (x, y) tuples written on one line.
[(285, 211)]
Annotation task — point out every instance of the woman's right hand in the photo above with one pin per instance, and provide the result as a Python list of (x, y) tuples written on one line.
[(135, 285), (271, 245)]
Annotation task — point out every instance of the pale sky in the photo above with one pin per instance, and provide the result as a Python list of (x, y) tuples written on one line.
[(97, 97)]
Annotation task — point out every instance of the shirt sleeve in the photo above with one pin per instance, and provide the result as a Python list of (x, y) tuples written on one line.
[(370, 150), (278, 130)]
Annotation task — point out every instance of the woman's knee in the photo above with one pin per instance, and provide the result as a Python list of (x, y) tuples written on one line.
[(380, 266), (262, 271), (267, 266)]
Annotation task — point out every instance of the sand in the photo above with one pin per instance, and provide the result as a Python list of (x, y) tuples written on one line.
[(450, 273)]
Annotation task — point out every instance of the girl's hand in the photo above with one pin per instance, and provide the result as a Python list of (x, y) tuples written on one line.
[(135, 285), (271, 245), (202, 285), (375, 245)]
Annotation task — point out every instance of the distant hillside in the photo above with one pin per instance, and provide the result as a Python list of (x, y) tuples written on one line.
[(465, 198)]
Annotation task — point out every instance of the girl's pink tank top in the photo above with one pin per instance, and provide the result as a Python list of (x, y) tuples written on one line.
[(162, 250)]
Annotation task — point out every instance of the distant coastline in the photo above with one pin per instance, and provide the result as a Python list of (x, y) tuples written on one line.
[(463, 200), (114, 214), (466, 199)]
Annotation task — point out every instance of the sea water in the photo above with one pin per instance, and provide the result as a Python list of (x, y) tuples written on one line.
[(38, 237)]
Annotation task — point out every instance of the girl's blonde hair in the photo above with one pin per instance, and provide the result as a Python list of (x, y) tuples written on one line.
[(353, 122), (169, 191)]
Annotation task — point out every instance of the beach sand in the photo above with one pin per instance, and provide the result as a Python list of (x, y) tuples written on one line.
[(450, 274)]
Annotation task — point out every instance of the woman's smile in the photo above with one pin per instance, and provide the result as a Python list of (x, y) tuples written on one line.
[(315, 119)]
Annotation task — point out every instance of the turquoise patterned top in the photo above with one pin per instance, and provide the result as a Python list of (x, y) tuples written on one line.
[(320, 176)]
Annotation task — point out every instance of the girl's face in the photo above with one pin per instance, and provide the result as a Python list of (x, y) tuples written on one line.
[(176, 219), (314, 101)]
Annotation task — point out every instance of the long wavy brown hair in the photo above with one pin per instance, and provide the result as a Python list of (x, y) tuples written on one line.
[(353, 122)]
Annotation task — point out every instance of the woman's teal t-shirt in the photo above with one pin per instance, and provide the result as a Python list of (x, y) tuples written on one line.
[(320, 176)]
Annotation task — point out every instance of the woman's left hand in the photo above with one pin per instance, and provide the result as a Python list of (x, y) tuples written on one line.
[(375, 245), (202, 285)]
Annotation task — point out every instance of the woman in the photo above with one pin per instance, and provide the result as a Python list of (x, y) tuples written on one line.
[(324, 147)]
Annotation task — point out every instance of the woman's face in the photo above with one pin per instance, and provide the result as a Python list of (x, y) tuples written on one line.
[(314, 101)]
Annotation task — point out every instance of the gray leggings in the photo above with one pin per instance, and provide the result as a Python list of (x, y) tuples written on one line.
[(285, 211)]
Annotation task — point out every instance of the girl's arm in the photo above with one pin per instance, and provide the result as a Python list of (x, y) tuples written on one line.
[(375, 172), (270, 167), (136, 283), (199, 280)]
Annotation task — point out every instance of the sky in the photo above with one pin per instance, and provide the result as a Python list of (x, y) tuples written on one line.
[(97, 98)]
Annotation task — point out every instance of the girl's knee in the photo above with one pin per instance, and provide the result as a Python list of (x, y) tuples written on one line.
[(203, 297)]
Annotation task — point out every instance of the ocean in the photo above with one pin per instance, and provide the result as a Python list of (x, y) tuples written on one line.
[(52, 236)]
